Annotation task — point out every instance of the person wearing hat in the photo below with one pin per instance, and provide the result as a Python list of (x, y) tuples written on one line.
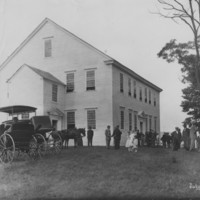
[(176, 139), (90, 134), (117, 137)]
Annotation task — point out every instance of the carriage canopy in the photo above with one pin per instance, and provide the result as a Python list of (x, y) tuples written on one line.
[(17, 109)]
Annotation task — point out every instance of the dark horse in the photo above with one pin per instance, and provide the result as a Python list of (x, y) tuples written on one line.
[(73, 133)]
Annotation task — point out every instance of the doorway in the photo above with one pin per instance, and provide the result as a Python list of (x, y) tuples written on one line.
[(55, 124), (141, 127)]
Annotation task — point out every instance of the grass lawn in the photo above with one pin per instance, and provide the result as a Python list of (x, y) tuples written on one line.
[(98, 173)]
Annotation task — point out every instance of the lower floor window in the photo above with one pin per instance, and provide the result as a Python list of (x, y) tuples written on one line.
[(122, 118), (70, 119), (91, 119)]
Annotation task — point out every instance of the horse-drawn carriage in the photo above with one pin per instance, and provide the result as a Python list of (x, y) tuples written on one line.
[(33, 136)]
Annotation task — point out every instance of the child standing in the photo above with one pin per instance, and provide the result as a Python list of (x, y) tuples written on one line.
[(134, 142)]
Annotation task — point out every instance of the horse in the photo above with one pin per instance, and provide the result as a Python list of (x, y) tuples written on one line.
[(73, 133)]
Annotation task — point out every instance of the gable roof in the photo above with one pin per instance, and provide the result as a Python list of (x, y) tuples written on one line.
[(43, 74), (38, 28), (108, 59)]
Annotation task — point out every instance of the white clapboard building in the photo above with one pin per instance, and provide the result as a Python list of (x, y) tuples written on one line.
[(77, 85)]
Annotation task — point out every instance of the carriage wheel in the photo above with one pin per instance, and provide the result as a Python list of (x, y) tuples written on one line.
[(33, 149), (42, 144), (7, 148), (55, 142)]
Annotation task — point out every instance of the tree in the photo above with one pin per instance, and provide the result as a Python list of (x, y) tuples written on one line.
[(187, 54), (189, 13), (181, 52)]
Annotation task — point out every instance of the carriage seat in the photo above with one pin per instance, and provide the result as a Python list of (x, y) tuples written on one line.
[(22, 132)]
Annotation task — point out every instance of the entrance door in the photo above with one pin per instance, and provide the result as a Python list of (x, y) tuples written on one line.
[(141, 127), (54, 124)]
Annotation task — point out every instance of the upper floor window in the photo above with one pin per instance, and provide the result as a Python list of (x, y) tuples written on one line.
[(121, 82), (90, 84), (129, 86), (149, 96), (91, 118), (48, 47), (140, 94), (145, 93), (135, 90), (54, 92), (70, 82), (154, 101)]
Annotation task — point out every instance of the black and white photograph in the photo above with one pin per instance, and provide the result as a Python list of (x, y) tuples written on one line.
[(99, 99)]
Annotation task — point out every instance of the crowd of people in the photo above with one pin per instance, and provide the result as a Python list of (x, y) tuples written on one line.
[(135, 138), (189, 138)]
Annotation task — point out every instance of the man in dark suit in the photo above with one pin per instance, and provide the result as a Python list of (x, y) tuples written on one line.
[(186, 137), (117, 137), (90, 134), (176, 139)]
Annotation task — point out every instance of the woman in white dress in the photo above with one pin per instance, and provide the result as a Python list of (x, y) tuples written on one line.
[(128, 141), (132, 142)]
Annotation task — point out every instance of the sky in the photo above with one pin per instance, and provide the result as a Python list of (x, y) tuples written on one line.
[(126, 30)]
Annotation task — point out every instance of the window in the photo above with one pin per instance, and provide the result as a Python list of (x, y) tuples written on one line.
[(90, 80), (54, 92), (140, 94), (135, 90), (145, 94), (150, 127), (91, 119), (149, 96), (122, 119), (121, 82), (47, 48), (70, 119), (155, 123), (130, 120), (135, 120), (70, 82), (146, 124), (25, 115), (154, 101), (129, 87)]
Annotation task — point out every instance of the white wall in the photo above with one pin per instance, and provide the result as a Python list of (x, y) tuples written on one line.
[(127, 102), (68, 53), (26, 88)]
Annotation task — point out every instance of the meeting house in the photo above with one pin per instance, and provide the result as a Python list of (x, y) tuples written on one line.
[(77, 85)]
